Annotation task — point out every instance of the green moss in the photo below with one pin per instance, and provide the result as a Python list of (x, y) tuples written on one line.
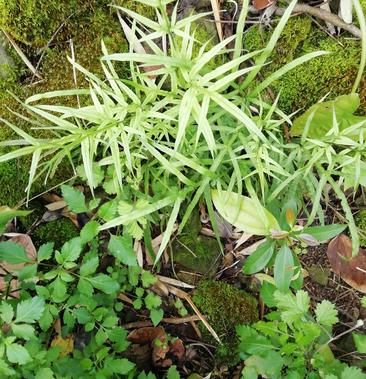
[(58, 231), (308, 83), (225, 307), (360, 220), (57, 74)]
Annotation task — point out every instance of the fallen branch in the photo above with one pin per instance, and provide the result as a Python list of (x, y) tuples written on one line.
[(323, 15)]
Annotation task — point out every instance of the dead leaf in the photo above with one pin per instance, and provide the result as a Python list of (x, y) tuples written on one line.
[(351, 269), (66, 345), (216, 12), (56, 205), (163, 349), (250, 249), (262, 4), (25, 241)]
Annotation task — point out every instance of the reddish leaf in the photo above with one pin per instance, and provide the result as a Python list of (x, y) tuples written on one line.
[(163, 350), (262, 4), (351, 269)]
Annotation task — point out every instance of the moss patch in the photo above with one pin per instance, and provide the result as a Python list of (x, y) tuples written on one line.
[(225, 307), (308, 83), (360, 220)]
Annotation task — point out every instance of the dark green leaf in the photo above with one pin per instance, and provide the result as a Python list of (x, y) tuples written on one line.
[(259, 259)]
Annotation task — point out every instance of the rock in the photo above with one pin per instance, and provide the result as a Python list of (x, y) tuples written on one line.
[(199, 254)]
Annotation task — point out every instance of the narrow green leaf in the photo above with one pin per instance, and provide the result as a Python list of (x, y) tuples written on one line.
[(283, 268)]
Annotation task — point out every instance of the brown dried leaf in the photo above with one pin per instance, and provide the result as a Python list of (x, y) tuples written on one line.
[(25, 241), (160, 346), (351, 269), (262, 4), (66, 345)]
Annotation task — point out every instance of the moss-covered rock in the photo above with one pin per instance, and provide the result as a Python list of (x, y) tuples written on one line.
[(310, 82), (225, 306)]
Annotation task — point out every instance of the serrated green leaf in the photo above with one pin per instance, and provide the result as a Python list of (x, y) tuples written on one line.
[(45, 252), (71, 249), (121, 247), (326, 313), (6, 312), (75, 199), (148, 279), (13, 253), (89, 267), (352, 373), (89, 231), (30, 310), (24, 331), (17, 354), (292, 307), (108, 210), (152, 301), (173, 373)]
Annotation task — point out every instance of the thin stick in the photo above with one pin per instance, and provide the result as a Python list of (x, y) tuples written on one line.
[(22, 56), (323, 15), (168, 320)]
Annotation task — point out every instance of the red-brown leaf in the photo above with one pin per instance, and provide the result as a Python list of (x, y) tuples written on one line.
[(351, 269)]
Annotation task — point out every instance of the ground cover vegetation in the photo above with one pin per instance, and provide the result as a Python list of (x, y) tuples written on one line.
[(166, 137)]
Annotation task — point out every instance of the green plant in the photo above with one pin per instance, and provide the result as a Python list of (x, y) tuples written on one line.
[(293, 342), (281, 234), (66, 286), (175, 125)]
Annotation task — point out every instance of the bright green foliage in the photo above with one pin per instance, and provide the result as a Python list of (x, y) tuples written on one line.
[(69, 287), (175, 136), (282, 232), (291, 343)]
